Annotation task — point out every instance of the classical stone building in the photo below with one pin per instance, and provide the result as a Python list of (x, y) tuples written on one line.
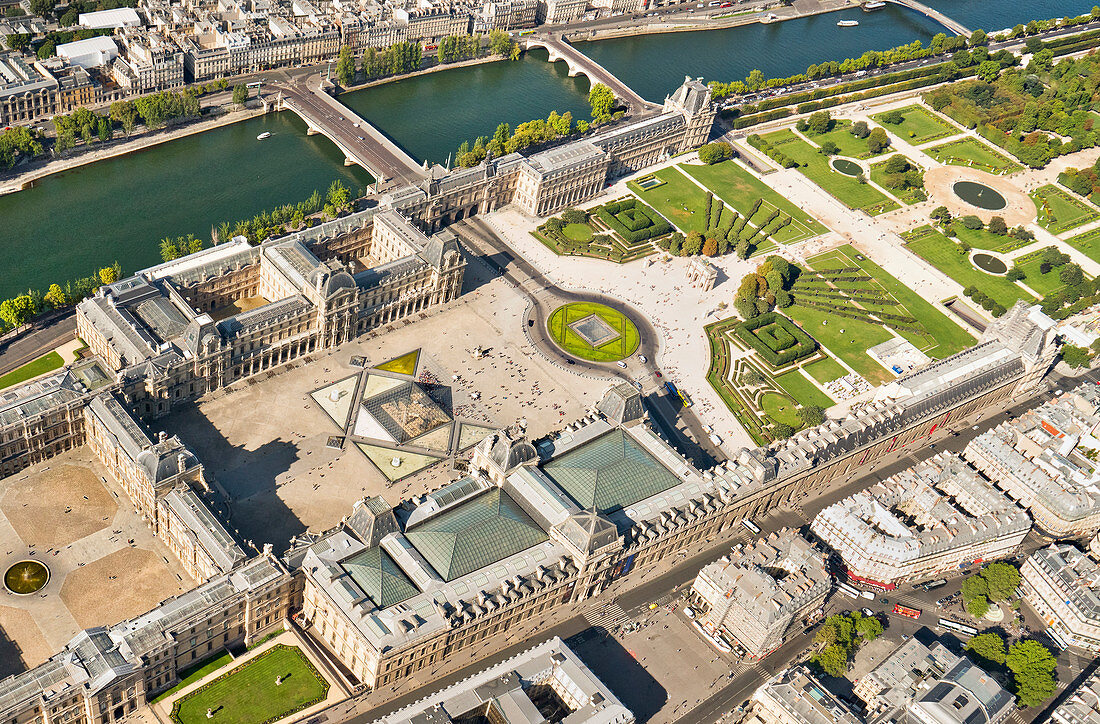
[(762, 590), (935, 517), (1062, 584)]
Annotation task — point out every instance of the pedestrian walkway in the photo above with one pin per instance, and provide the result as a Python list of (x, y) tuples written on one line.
[(608, 616)]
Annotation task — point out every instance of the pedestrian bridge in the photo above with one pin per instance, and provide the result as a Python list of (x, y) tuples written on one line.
[(953, 25), (580, 64), (361, 143)]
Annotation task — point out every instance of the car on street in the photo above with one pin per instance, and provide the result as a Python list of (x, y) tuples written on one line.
[(621, 364), (868, 612), (657, 373), (642, 358)]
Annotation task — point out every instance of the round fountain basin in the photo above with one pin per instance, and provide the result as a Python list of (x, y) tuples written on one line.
[(979, 195), (990, 264), (26, 577), (846, 167)]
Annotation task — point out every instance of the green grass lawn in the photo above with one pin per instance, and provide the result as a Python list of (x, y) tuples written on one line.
[(942, 253), (190, 676), (740, 189), (815, 166), (920, 126), (1087, 243), (907, 196), (944, 337), (781, 408), (678, 199), (825, 370), (248, 694), (847, 339), (972, 153), (577, 232), (619, 348), (1044, 284), (801, 389), (848, 144), (982, 239), (40, 366), (1067, 211)]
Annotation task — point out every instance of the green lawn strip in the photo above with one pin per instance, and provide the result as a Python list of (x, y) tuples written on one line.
[(1042, 283), (848, 144), (815, 167), (983, 239), (825, 370), (248, 694), (678, 199), (1068, 212), (920, 126), (948, 337), (616, 349), (908, 196), (42, 365), (851, 345), (578, 232), (803, 390), (974, 154), (740, 189), (718, 376), (190, 676), (1087, 243), (942, 253)]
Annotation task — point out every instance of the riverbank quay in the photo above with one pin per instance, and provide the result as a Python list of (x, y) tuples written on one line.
[(35, 171), (717, 20)]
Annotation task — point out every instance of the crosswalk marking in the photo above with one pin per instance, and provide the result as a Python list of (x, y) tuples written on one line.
[(608, 616)]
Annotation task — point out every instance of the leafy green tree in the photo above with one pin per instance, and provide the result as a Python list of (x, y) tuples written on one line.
[(877, 140), (693, 245), (978, 37), (110, 274), (869, 628), (829, 148), (1032, 666), (988, 646), (988, 70), (573, 216), (977, 606), (18, 310), (894, 117), (1002, 580), (819, 122), (713, 153), (1076, 357), (338, 195), (105, 130), (56, 296), (240, 94), (602, 101), (811, 415), (833, 660), (18, 41), (345, 67), (998, 226), (781, 430), (126, 114)]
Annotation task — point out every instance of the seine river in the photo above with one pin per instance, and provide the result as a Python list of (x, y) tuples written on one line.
[(118, 209)]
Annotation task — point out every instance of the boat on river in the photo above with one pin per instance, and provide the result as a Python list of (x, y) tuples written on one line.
[(877, 5), (263, 135), (847, 23)]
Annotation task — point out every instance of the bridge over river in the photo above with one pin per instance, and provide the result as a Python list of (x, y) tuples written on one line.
[(361, 143), (581, 64), (953, 25)]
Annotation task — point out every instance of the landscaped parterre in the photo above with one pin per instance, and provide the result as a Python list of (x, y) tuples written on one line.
[(949, 258), (249, 695), (1059, 211), (974, 154), (919, 125), (593, 332)]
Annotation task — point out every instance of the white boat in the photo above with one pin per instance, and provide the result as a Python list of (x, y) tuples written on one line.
[(263, 135), (877, 5), (847, 23)]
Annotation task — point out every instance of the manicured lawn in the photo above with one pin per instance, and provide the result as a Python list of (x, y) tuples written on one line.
[(920, 126), (1042, 283), (40, 366), (847, 339), (982, 239), (1061, 212), (973, 153), (616, 349), (1087, 243), (678, 199), (781, 409), (942, 253), (815, 167), (740, 189), (826, 370), (199, 672), (801, 389), (945, 337), (248, 694), (577, 232), (908, 196), (848, 144)]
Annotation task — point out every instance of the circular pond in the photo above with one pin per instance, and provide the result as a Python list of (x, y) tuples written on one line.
[(26, 577), (846, 167), (989, 264), (979, 195)]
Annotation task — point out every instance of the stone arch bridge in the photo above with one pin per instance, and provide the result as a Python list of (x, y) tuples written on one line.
[(580, 64)]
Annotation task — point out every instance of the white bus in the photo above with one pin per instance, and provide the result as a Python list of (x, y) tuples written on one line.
[(847, 589), (958, 627), (750, 525)]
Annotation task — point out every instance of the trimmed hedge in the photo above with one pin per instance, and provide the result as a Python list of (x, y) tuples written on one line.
[(633, 220), (776, 338)]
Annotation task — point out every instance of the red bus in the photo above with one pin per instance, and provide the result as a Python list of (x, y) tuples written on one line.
[(906, 611)]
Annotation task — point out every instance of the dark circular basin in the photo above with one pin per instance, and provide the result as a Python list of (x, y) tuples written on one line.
[(846, 167), (989, 264), (979, 195), (26, 577)]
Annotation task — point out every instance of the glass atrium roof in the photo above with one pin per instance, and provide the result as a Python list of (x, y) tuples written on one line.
[(380, 577)]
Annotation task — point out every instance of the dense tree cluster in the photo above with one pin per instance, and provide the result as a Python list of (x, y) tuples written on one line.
[(83, 124), (288, 216), (454, 48), (765, 288), (1084, 181), (840, 636), (403, 57), (1032, 665), (716, 152), (16, 142), (996, 582), (23, 308), (900, 174)]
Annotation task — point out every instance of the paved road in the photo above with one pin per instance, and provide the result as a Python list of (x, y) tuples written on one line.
[(546, 297), (31, 346)]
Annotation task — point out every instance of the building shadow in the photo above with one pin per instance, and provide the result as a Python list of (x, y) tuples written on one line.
[(620, 671), (11, 656)]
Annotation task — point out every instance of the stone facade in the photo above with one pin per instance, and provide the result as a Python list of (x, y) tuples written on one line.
[(1062, 584)]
